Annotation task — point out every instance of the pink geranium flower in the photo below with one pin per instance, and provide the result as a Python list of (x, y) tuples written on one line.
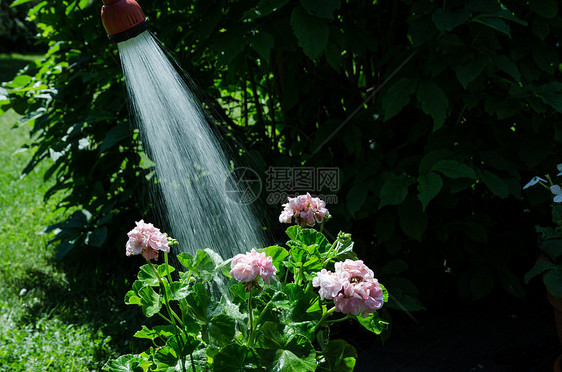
[(352, 287), (248, 267), (147, 240), (305, 210)]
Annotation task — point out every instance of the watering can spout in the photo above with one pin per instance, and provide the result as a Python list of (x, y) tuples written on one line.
[(122, 19)]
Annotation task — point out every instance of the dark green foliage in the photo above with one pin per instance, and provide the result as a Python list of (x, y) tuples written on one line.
[(435, 112), (16, 33)]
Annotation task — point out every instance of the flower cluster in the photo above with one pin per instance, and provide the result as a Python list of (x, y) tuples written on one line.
[(305, 210), (353, 288), (248, 267), (147, 240)]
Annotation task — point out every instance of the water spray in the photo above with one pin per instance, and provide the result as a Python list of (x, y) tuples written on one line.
[(196, 194), (123, 19)]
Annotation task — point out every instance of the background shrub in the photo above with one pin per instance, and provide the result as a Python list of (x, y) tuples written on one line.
[(434, 112)]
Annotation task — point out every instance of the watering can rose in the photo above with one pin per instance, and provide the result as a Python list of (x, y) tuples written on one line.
[(305, 210), (352, 287), (248, 267), (146, 239)]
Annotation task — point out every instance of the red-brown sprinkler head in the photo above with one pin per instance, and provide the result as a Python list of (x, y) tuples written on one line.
[(122, 19)]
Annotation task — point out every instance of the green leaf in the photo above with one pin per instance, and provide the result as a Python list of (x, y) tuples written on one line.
[(429, 186), (372, 323), (545, 8), (446, 20), (356, 197), (482, 282), (385, 293), (230, 44), (305, 329), (405, 302), (398, 96), (150, 301), (114, 136), (394, 190), (421, 30), (165, 359), (292, 353), (541, 28), (97, 237), (340, 357), (551, 94), (148, 276), (179, 290), (164, 269), (507, 66), (412, 219), (183, 344), (404, 295), (19, 2), (19, 81), (333, 55), (165, 332), (553, 281), (553, 248), (322, 9), (495, 23), (394, 267), (270, 336), (343, 251), (311, 32), (301, 303), (433, 157), (262, 42), (385, 227), (494, 183), (232, 357), (221, 329), (310, 237), (511, 283), (203, 266), (468, 72), (433, 102), (200, 302), (454, 169), (127, 363), (185, 259), (293, 231)]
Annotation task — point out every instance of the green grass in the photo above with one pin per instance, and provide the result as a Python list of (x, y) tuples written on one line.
[(53, 316), (11, 63), (34, 332)]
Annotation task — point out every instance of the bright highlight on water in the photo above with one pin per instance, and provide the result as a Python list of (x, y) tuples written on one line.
[(190, 165)]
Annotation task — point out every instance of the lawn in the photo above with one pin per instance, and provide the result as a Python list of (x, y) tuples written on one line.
[(53, 316)]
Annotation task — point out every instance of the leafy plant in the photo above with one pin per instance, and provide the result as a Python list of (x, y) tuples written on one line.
[(549, 265), (221, 321)]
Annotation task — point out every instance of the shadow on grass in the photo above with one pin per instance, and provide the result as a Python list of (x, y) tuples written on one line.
[(89, 294), (9, 66)]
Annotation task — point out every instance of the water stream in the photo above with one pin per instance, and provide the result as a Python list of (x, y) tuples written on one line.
[(190, 165)]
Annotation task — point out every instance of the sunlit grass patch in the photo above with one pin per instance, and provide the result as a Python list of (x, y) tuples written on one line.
[(41, 325)]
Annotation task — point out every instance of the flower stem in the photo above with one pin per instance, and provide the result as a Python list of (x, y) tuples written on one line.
[(338, 320), (324, 316), (329, 251), (250, 319), (171, 313), (167, 271)]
